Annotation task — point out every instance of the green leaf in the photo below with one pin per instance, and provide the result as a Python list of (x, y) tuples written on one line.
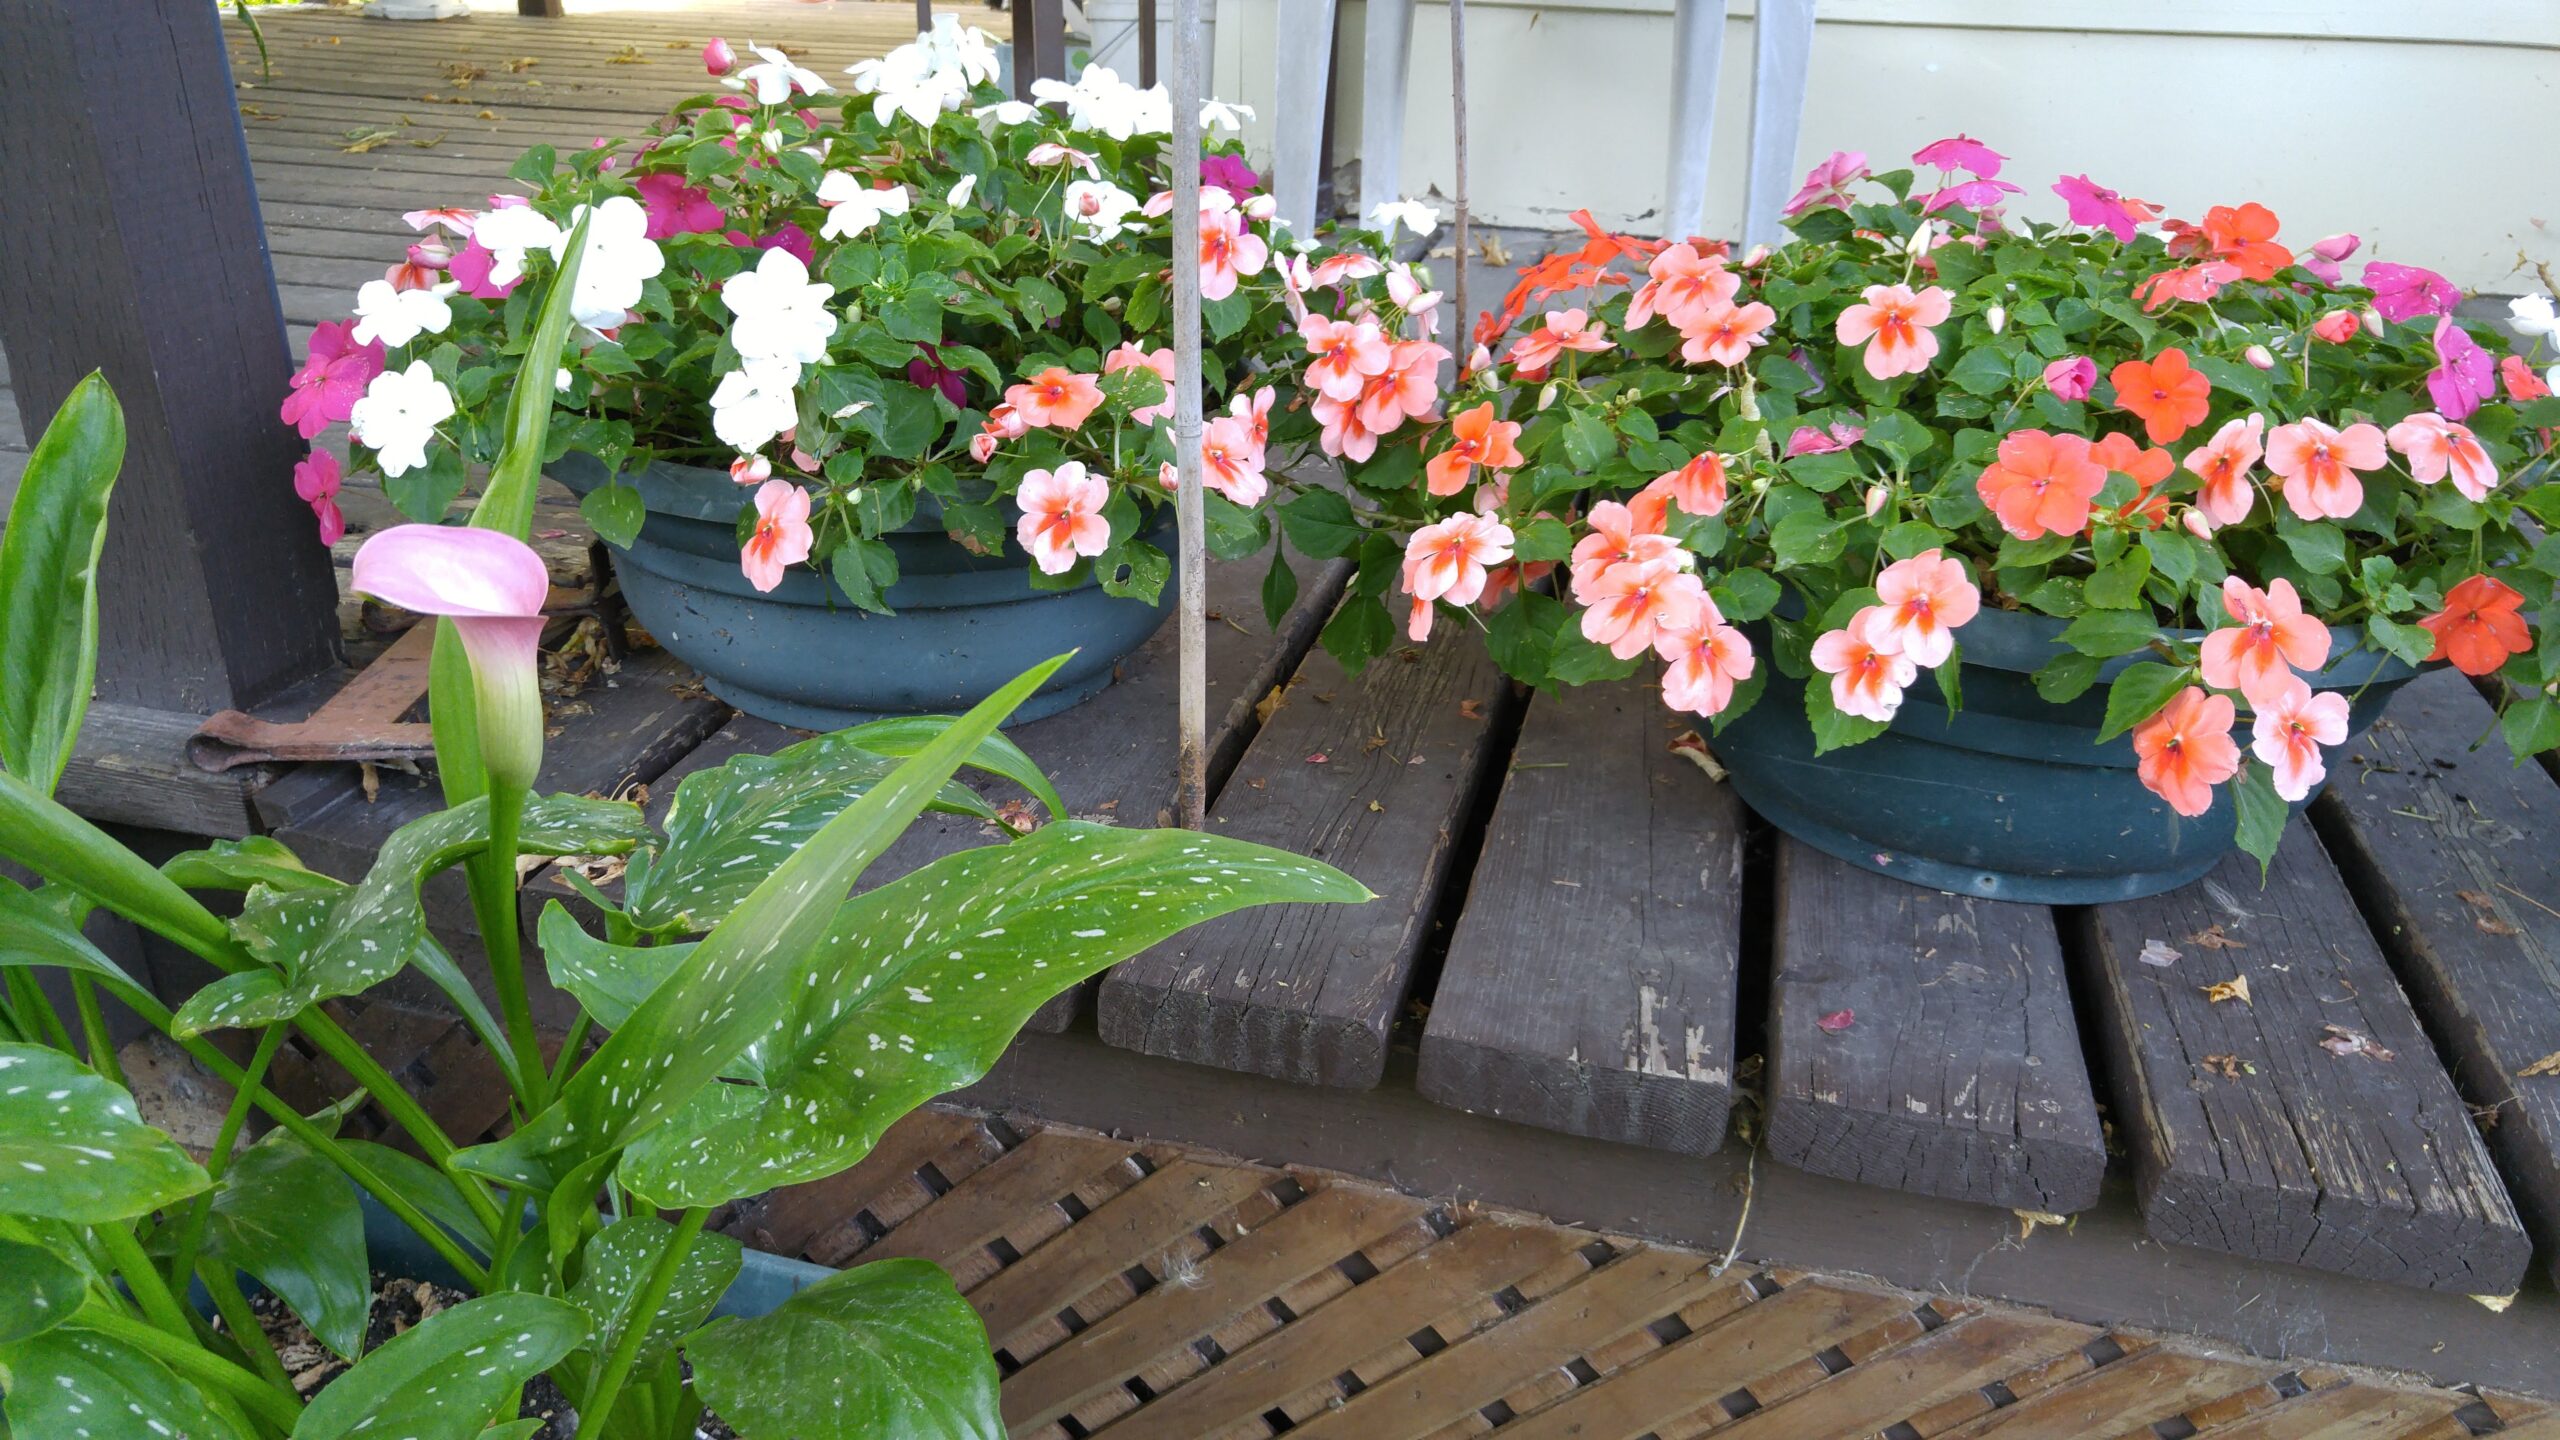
[(431, 1190), (1745, 595), (2066, 677), (2109, 633), (2530, 726), (1320, 524), (1134, 571), (73, 1147), (1279, 588), (2263, 813), (38, 1290), (2319, 547), (919, 985), (2413, 643), (290, 1218), (1834, 728), (609, 980), (2247, 381), (885, 1349), (48, 582), (506, 502), (1900, 437), (79, 1382), (616, 512), (901, 736), (40, 834), (1982, 370), (734, 824), (616, 1266), (449, 1377), (241, 864), (1807, 537), (1588, 440), (2118, 584), (2137, 694), (37, 929)]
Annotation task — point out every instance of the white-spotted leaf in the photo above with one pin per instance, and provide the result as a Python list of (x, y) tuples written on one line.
[(38, 1290), (289, 1218), (81, 1383), (73, 1147), (885, 1349), (617, 1265), (452, 1376)]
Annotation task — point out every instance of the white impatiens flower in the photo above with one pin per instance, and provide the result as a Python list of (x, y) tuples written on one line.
[(1099, 208), (961, 192), (775, 79), (509, 231), (754, 403), (1219, 115), (906, 82), (2533, 315), (1102, 102), (619, 257), (853, 206), (395, 317), (1411, 215), (964, 50), (1008, 112), (398, 414), (781, 314)]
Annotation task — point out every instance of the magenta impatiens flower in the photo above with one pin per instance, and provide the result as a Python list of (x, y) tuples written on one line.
[(1828, 183), (316, 478), (2405, 292), (789, 238), (676, 208), (331, 380), (2071, 377), (492, 587), (1229, 173), (2464, 375), (1960, 152), (2094, 204)]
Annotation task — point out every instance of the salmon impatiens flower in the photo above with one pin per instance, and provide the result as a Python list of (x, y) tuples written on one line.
[(1126, 356), (1619, 535), (1230, 461), (1061, 516), (1228, 246), (2168, 394), (2318, 466), (1564, 330), (2186, 749), (1635, 601), (1476, 438), (1347, 354), (1867, 679), (1451, 561), (2271, 639), (1406, 389), (1698, 487), (2223, 464), (1704, 663), (1919, 604), (1056, 398), (1680, 284), (2436, 447), (781, 538), (2293, 722), (2479, 627), (2042, 484), (492, 586), (1894, 325), (1727, 334)]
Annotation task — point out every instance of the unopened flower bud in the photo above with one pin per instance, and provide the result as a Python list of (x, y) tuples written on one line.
[(1876, 496), (1758, 257), (1997, 317), (2373, 320), (1547, 395), (718, 58), (2259, 357), (2199, 524)]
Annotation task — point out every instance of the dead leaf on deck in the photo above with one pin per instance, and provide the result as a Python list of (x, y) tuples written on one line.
[(2212, 938), (627, 55), (1692, 747), (364, 142), (596, 869), (1470, 709), (2235, 988), (1490, 247), (2486, 918), (2547, 1065), (1269, 705), (2339, 1040), (1376, 808), (2229, 1067), (1376, 742), (256, 113), (2158, 953), (462, 72), (521, 64), (1019, 815), (372, 779), (1836, 1021), (488, 115), (2496, 1304), (2028, 1220), (430, 142)]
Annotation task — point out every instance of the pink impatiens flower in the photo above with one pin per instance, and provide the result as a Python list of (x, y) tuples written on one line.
[(2094, 204), (2272, 638), (1450, 561), (676, 208), (1406, 389), (332, 379), (1635, 601), (2323, 257), (1827, 184), (2405, 292), (1920, 603), (1681, 283), (1347, 353), (1960, 152), (2223, 464), (1230, 461), (1810, 440), (1056, 398), (781, 538), (1725, 334), (2072, 377), (1705, 663), (2318, 465), (1228, 247), (1894, 325), (2293, 722), (2463, 377), (315, 478), (1619, 535), (1866, 680), (2436, 447), (1563, 330), (1062, 516), (1127, 356), (2186, 749)]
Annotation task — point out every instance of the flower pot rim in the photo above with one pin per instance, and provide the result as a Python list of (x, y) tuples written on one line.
[(2024, 641), (699, 492)]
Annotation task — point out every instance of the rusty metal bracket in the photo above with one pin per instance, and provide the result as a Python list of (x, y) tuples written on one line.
[(361, 722)]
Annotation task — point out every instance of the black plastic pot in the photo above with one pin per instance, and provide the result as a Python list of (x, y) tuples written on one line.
[(803, 655), (2008, 798)]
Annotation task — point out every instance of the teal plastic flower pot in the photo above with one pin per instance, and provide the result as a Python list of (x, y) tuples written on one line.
[(804, 655), (2007, 798)]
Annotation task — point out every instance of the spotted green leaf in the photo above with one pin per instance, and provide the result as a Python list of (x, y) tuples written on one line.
[(38, 1290), (240, 864), (39, 927), (91, 1385), (618, 1263), (885, 1349), (49, 582), (920, 984), (73, 1147), (609, 980), (452, 1376), (288, 1217)]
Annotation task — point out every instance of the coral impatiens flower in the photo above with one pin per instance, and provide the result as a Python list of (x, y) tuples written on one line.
[(1406, 389), (1867, 678), (1056, 398), (1347, 354), (2245, 237), (2479, 626), (2146, 467), (1727, 334), (2522, 385), (1698, 487), (2042, 484), (781, 538), (2293, 722), (332, 379), (2223, 464), (1705, 663), (1451, 561), (1894, 324), (1228, 246), (2271, 640), (1619, 535), (1919, 604), (2187, 749), (1344, 436), (2319, 464), (1230, 463), (2193, 284), (1126, 356), (2168, 394), (1061, 516), (1635, 601), (1476, 437), (2336, 328), (1564, 330), (2436, 447), (1681, 283)]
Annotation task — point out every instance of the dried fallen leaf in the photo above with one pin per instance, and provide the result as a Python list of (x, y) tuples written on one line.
[(2487, 918), (2159, 953), (2235, 988), (1836, 1021), (2497, 1304), (1692, 746), (521, 64), (1470, 709), (2212, 938), (1019, 815), (627, 55), (2339, 1040), (2547, 1065), (488, 115), (2028, 1220), (430, 142), (2229, 1067), (1376, 808), (1490, 247), (363, 142)]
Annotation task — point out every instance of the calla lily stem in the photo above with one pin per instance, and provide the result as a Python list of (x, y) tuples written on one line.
[(626, 1351), (492, 874)]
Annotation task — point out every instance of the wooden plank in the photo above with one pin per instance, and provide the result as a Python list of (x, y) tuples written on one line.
[(2128, 1395), (1032, 1175), (1878, 1391), (131, 768), (1590, 982), (785, 1221), (2339, 1162), (2355, 1410), (1374, 775), (1315, 1233), (1958, 1072), (2455, 855)]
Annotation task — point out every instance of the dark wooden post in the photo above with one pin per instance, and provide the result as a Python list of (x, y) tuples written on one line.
[(1039, 44), (546, 8), (139, 251)]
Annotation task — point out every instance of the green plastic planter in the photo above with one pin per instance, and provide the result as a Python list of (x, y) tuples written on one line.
[(2008, 798), (804, 655)]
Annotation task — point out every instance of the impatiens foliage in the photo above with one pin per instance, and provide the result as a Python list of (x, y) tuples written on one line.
[(2190, 444)]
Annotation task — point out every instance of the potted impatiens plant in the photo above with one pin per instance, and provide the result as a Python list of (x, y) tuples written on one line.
[(870, 388), (761, 1026), (2042, 557)]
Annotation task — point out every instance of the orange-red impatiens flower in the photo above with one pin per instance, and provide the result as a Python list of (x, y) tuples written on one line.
[(1475, 438), (2187, 749), (2042, 484), (2147, 467), (2479, 627), (1698, 487), (2165, 391), (2246, 237), (1055, 398)]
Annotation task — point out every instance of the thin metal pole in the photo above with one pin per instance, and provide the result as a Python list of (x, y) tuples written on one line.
[(1146, 43), (924, 16), (1458, 106), (1192, 785)]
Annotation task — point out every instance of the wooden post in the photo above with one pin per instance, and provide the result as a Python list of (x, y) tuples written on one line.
[(1191, 563), (1384, 70), (1039, 44), (1458, 148), (547, 9), (1782, 46), (141, 253), (1697, 60), (1297, 110), (1146, 44)]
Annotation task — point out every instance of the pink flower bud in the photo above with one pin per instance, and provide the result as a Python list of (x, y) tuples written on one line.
[(2259, 357), (1876, 496), (2199, 524), (718, 58), (2071, 377), (1758, 257), (982, 447), (2336, 247), (2337, 327), (807, 462), (751, 469)]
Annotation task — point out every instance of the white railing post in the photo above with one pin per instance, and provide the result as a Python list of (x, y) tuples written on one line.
[(1697, 60), (1305, 64), (1383, 76), (1782, 42)]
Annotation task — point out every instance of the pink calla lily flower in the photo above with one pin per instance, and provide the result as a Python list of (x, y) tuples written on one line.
[(492, 586)]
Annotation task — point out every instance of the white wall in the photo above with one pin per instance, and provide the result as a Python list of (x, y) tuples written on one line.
[(2432, 127)]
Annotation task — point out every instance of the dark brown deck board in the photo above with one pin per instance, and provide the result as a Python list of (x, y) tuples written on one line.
[(2340, 1162), (1590, 983), (2456, 853), (1958, 1072), (1374, 775)]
